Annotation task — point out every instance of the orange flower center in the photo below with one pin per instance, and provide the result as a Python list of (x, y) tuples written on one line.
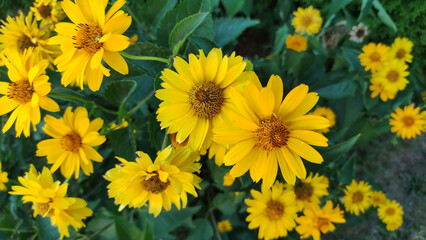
[(390, 211), (87, 37), (25, 42), (392, 76), (154, 184), (274, 210), (43, 209), (21, 91), (303, 191), (375, 57), (45, 11), (408, 121), (306, 20), (322, 222), (357, 197), (400, 54), (71, 142), (206, 99), (272, 134)]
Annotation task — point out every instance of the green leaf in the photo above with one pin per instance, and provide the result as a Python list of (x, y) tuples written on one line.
[(351, 57), (346, 173), (117, 92), (336, 5), (148, 49), (228, 29), (122, 144), (168, 221), (365, 8), (280, 37), (232, 6), (342, 89), (203, 230), (153, 11), (336, 151), (384, 16), (183, 29), (126, 230), (202, 43), (45, 230), (148, 232)]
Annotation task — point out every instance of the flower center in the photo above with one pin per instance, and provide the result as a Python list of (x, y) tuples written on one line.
[(274, 210), (400, 54), (42, 209), (21, 91), (392, 76), (87, 37), (71, 142), (272, 134), (357, 197), (390, 211), (155, 185), (408, 121), (322, 222), (303, 191), (206, 99), (306, 21), (360, 33), (25, 42), (45, 11), (375, 57)]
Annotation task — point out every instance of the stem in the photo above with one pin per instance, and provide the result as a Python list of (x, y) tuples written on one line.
[(211, 208), (67, 180), (150, 58), (84, 101), (140, 104), (164, 145), (16, 230)]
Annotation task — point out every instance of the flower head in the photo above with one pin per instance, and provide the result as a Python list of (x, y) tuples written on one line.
[(228, 180), (224, 226), (401, 49), (327, 113), (296, 43), (407, 123), (377, 89), (318, 220), (391, 214), (373, 56), (92, 36), (3, 179), (49, 12), (392, 76), (358, 33), (378, 198), (72, 142), (26, 93), (357, 197), (49, 200), (307, 20), (273, 211), (266, 132)]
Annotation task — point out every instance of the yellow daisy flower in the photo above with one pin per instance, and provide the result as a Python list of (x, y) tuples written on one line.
[(318, 220), (22, 33), (26, 93), (72, 142), (391, 214), (401, 49), (373, 56), (3, 179), (376, 88), (49, 200), (296, 43), (309, 190), (196, 97), (49, 12), (392, 76), (165, 181), (327, 113), (357, 197), (273, 211), (218, 151), (228, 180), (307, 20), (268, 132), (224, 226), (407, 123), (92, 37), (378, 198)]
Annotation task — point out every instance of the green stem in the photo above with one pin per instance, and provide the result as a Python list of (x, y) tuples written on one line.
[(140, 104), (16, 230), (164, 145), (84, 101), (149, 58), (67, 180)]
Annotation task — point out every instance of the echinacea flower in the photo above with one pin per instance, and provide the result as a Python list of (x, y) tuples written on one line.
[(407, 122), (307, 20), (357, 197)]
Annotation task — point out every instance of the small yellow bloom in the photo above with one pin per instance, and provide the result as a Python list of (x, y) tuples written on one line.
[(373, 56), (3, 179), (224, 226), (123, 124), (133, 39), (376, 89), (307, 20), (49, 12), (228, 180), (326, 113), (391, 214), (296, 43), (377, 198), (407, 123), (392, 76), (357, 197), (401, 49)]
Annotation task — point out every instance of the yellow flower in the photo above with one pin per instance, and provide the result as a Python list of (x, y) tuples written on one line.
[(373, 56), (296, 43), (378, 198), (391, 214), (309, 190), (392, 76), (357, 197), (123, 124), (195, 98), (268, 132), (377, 88), (22, 33), (92, 37), (49, 12), (401, 49), (273, 211), (26, 93), (228, 180), (3, 179), (218, 151), (327, 113), (407, 123), (72, 142), (165, 181), (49, 200), (307, 20), (224, 226), (318, 220)]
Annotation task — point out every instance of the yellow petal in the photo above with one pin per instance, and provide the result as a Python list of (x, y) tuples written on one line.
[(116, 61), (116, 43), (304, 150)]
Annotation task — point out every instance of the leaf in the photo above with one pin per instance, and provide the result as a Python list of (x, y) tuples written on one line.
[(45, 230), (117, 92), (342, 89), (126, 230), (346, 173), (365, 8), (148, 49), (232, 6), (280, 37), (384, 16), (228, 29), (170, 220), (122, 144), (351, 57), (202, 43), (336, 5), (67, 91), (148, 232), (153, 11), (203, 230), (336, 151), (183, 29)]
